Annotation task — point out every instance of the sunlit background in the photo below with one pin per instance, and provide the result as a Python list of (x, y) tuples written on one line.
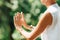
[(32, 11)]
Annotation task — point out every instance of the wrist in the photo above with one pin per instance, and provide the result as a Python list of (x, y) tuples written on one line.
[(20, 29), (32, 27), (24, 24)]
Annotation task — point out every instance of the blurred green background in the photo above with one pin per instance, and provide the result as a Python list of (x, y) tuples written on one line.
[(32, 11)]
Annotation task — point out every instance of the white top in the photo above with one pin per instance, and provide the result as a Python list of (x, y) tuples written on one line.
[(53, 32)]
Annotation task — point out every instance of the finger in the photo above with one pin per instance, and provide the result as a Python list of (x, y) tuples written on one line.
[(16, 14), (22, 14), (18, 17), (15, 20)]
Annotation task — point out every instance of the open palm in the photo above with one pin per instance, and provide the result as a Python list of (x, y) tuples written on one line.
[(19, 19)]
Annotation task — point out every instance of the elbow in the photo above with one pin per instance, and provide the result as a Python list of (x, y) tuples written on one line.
[(30, 38)]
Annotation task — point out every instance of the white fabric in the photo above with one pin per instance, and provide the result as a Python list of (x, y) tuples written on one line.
[(53, 32)]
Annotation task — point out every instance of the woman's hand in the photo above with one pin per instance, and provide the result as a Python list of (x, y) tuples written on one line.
[(19, 19)]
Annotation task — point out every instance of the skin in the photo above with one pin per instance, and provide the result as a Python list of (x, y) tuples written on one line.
[(21, 21), (45, 21)]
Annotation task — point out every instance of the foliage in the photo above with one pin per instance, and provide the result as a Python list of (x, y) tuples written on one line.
[(32, 10)]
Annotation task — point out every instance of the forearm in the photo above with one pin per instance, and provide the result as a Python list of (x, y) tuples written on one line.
[(28, 26), (24, 33), (44, 22), (28, 36)]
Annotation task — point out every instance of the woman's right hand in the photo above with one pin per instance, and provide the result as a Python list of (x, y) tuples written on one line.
[(19, 19)]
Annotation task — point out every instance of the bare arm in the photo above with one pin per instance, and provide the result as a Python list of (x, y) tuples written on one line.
[(42, 24)]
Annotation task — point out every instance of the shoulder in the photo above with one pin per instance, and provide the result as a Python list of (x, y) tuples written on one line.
[(47, 18)]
